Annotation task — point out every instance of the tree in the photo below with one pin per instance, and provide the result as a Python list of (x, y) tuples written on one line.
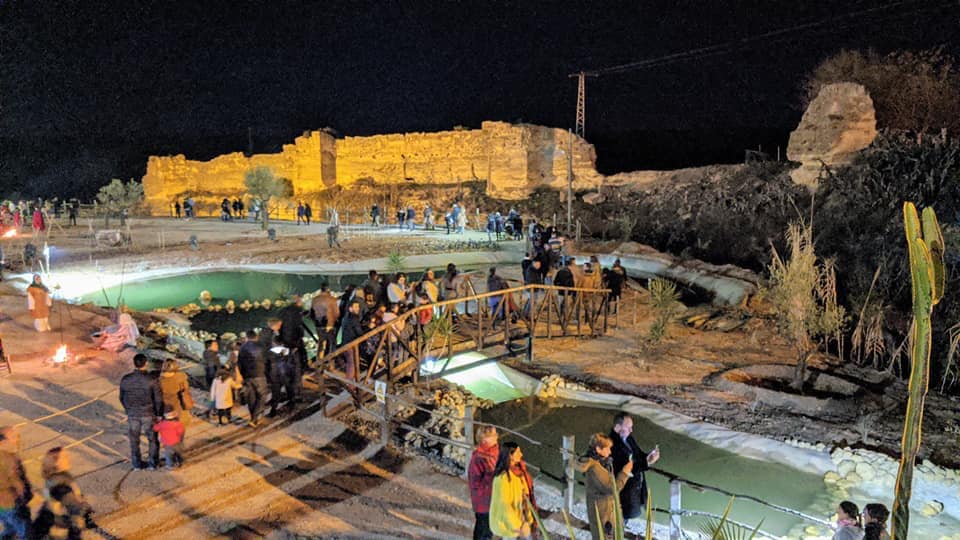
[(263, 185), (803, 293), (117, 197), (913, 91)]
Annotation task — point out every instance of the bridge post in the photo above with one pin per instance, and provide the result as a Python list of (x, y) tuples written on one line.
[(675, 510), (569, 459)]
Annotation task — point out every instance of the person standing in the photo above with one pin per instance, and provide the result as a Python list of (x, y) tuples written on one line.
[(291, 335), (211, 360), (633, 495), (142, 401), (171, 431), (39, 302), (350, 330), (428, 218), (307, 212), (175, 390), (599, 478), (15, 490), (326, 313), (511, 514), (73, 210), (39, 223), (480, 477), (253, 369), (375, 216), (221, 394), (411, 218), (176, 209), (65, 513), (281, 375)]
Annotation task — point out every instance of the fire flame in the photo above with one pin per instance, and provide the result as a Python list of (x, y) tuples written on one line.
[(61, 355), (10, 234)]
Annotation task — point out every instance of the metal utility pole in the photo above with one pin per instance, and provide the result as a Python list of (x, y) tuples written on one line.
[(569, 182), (581, 123)]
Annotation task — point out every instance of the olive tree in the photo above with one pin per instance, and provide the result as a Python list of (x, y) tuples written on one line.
[(263, 185), (117, 197)]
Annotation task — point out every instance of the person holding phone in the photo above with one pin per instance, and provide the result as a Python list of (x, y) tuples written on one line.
[(626, 450)]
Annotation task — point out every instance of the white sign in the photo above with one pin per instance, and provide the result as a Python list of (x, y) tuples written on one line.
[(380, 388)]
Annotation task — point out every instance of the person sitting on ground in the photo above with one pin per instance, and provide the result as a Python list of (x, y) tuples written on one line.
[(15, 490), (65, 513), (875, 522), (171, 431), (221, 394), (848, 522), (117, 337), (597, 468)]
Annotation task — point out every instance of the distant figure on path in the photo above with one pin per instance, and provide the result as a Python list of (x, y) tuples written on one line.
[(176, 209), (375, 216), (142, 401), (39, 302), (307, 212), (73, 210)]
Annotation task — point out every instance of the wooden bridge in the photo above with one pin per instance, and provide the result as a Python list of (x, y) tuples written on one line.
[(500, 323)]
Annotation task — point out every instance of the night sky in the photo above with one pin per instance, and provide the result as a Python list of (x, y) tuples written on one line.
[(89, 89)]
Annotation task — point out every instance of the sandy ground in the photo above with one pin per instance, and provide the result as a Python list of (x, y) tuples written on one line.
[(305, 475)]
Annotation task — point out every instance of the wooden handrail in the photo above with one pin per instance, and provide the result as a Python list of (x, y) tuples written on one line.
[(452, 302)]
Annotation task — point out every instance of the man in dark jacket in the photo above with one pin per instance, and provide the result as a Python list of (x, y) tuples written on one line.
[(564, 278), (141, 399), (291, 335), (253, 368), (625, 448), (532, 276), (349, 331), (281, 369)]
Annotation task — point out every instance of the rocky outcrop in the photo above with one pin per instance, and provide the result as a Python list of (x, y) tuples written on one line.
[(837, 124), (513, 160)]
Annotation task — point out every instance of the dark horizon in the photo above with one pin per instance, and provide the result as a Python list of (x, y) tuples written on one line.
[(92, 91)]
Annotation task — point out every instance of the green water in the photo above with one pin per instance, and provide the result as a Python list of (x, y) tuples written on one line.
[(238, 286), (680, 455)]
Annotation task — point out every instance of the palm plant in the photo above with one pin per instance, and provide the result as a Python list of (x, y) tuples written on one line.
[(723, 529)]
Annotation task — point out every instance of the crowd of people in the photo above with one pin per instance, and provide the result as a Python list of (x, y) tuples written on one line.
[(502, 492)]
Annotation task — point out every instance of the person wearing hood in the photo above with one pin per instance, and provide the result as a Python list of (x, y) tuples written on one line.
[(15, 489), (597, 469), (120, 336), (39, 302)]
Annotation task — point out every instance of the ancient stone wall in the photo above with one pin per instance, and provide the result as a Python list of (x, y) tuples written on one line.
[(512, 159)]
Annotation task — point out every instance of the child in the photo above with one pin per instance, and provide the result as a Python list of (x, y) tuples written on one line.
[(221, 394), (171, 432)]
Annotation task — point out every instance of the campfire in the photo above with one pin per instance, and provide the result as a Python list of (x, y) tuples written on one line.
[(10, 234), (61, 355)]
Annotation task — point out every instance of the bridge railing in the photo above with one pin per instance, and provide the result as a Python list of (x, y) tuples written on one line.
[(676, 511), (524, 313)]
